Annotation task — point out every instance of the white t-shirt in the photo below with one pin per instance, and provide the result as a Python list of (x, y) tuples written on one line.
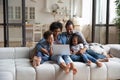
[(77, 47)]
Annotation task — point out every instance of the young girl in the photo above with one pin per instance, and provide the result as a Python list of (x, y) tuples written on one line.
[(76, 47)]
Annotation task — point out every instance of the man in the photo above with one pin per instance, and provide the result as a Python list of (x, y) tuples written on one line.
[(66, 39)]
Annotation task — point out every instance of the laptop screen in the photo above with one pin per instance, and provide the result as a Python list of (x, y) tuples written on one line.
[(61, 49)]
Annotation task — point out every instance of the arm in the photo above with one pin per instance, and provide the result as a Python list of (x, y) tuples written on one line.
[(40, 47), (51, 51), (82, 39), (44, 51), (74, 50), (82, 50), (51, 43)]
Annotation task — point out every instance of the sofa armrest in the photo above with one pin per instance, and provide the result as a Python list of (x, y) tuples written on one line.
[(115, 50)]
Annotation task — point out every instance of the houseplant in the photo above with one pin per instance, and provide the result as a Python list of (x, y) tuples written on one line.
[(117, 19)]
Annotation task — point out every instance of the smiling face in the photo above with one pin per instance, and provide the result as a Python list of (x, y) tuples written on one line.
[(70, 29), (75, 40), (56, 32)]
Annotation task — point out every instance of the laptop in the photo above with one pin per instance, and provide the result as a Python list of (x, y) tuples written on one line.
[(60, 49)]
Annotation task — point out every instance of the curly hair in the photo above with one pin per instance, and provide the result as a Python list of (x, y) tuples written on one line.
[(56, 25), (47, 34), (75, 36)]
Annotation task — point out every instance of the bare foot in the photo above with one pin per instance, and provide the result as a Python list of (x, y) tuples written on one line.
[(99, 64), (64, 67), (73, 68), (36, 61), (104, 60), (110, 55), (89, 62), (74, 71), (68, 65)]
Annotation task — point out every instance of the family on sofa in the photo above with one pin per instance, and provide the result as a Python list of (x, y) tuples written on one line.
[(79, 48)]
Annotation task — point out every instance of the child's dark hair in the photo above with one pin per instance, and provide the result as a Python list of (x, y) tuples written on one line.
[(73, 36), (47, 34)]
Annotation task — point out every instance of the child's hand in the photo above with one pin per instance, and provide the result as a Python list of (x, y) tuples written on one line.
[(44, 51), (82, 51), (50, 40)]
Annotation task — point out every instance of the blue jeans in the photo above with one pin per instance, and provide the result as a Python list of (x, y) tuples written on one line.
[(61, 58), (76, 57), (95, 55), (44, 57), (87, 57)]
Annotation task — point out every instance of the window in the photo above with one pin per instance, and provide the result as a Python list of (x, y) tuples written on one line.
[(17, 13), (10, 12), (103, 28), (26, 13), (32, 13)]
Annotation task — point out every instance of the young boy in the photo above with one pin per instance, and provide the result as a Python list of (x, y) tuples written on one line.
[(43, 49)]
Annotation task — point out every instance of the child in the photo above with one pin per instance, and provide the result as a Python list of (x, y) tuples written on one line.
[(43, 49), (76, 47)]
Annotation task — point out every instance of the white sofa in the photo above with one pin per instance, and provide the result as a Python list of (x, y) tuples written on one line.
[(15, 65)]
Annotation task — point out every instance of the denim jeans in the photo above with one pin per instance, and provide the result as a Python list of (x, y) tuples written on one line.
[(76, 57), (44, 57), (61, 58), (95, 55), (87, 57), (90, 53)]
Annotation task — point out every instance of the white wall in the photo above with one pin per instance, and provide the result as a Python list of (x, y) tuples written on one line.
[(46, 17)]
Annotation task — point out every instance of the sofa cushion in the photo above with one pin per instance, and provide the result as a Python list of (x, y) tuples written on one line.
[(61, 75), (113, 70), (98, 73), (115, 59), (8, 65), (6, 76), (83, 71), (22, 52), (7, 53), (24, 70), (99, 48), (115, 52), (45, 71)]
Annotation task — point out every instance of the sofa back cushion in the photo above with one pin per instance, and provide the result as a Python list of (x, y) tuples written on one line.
[(115, 50), (22, 52), (7, 53)]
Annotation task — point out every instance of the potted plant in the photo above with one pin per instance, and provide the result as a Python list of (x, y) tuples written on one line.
[(117, 19)]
